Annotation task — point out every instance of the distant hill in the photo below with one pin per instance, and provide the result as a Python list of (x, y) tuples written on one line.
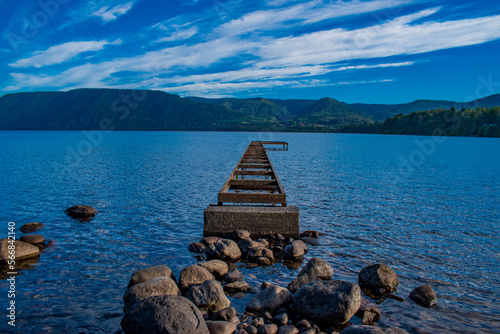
[(124, 109)]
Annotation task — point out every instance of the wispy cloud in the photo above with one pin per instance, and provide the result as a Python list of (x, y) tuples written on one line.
[(108, 13), (61, 53)]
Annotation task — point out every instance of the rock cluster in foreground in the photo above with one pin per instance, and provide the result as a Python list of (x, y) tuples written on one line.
[(157, 302)]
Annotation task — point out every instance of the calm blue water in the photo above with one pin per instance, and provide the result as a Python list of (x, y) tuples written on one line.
[(431, 212)]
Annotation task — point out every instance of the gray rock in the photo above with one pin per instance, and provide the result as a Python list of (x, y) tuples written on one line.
[(302, 280), (224, 249), (378, 278), (157, 286), (221, 327), (260, 251), (265, 285), (295, 249), (193, 275), (217, 268), (368, 312), (281, 319), (318, 268), (208, 296), (246, 243), (80, 211), (263, 241), (395, 330), (164, 315), (356, 329), (251, 329), (33, 239), (303, 324), (237, 287), (31, 227), (288, 329), (424, 296), (240, 234), (207, 241), (257, 322), (268, 329), (310, 234), (234, 275), (270, 299), (311, 241), (328, 303), (144, 274), (24, 250), (226, 314), (263, 261), (196, 247)]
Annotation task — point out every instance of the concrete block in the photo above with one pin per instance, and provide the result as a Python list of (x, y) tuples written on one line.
[(258, 220)]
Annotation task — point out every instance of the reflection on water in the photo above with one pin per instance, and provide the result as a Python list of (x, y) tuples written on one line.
[(436, 224)]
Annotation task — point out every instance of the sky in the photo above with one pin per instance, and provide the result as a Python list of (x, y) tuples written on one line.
[(378, 51)]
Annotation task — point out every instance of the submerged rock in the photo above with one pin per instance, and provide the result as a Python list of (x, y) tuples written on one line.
[(310, 234), (144, 274), (328, 303), (164, 315), (424, 296), (80, 211), (378, 278), (24, 250), (193, 275), (224, 249), (31, 227), (208, 296), (157, 286), (33, 239)]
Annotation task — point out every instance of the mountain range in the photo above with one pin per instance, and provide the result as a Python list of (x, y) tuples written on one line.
[(122, 109)]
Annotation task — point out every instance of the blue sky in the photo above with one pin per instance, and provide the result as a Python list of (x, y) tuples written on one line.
[(380, 51)]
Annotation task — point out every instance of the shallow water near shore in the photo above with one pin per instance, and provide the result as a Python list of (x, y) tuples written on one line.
[(428, 208)]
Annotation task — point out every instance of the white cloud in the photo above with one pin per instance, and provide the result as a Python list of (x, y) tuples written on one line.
[(61, 53), (179, 35), (108, 13)]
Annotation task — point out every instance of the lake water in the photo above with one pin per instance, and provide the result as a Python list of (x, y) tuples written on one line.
[(429, 208)]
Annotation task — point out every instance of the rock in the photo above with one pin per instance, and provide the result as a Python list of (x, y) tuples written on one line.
[(296, 249), (239, 295), (80, 211), (303, 324), (240, 234), (217, 268), (31, 227), (257, 322), (318, 268), (23, 250), (237, 287), (193, 275), (196, 247), (265, 285), (234, 275), (33, 239), (281, 319), (251, 329), (264, 242), (395, 330), (199, 257), (368, 312), (208, 296), (328, 303), (310, 234), (288, 329), (302, 280), (207, 241), (311, 241), (245, 244), (378, 278), (224, 249), (260, 251), (144, 274), (226, 314), (277, 249), (310, 331), (270, 299), (393, 296), (158, 286), (268, 329), (164, 315), (356, 329), (424, 296), (221, 327), (263, 261)]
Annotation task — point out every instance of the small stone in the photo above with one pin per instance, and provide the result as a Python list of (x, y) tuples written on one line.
[(368, 312), (263, 241), (239, 295), (240, 234), (263, 261), (310, 233), (311, 241), (310, 331), (224, 249), (196, 247), (254, 253), (237, 286), (217, 268), (288, 329), (33, 239), (303, 324), (424, 296), (199, 257), (318, 268), (234, 275), (81, 211), (208, 296), (378, 279), (281, 319), (268, 329), (257, 322), (226, 314), (251, 329), (24, 250), (363, 329), (221, 327), (207, 241), (395, 330), (277, 249), (193, 275), (144, 274), (31, 227)]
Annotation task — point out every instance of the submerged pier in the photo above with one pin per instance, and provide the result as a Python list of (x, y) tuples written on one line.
[(253, 198)]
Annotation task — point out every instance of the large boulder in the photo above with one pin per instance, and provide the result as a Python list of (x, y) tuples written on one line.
[(217, 268), (158, 286), (328, 303), (318, 268), (80, 211), (296, 248), (23, 250), (144, 274), (209, 296), (193, 275), (31, 227), (379, 279), (224, 249), (270, 299), (164, 315), (424, 296)]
